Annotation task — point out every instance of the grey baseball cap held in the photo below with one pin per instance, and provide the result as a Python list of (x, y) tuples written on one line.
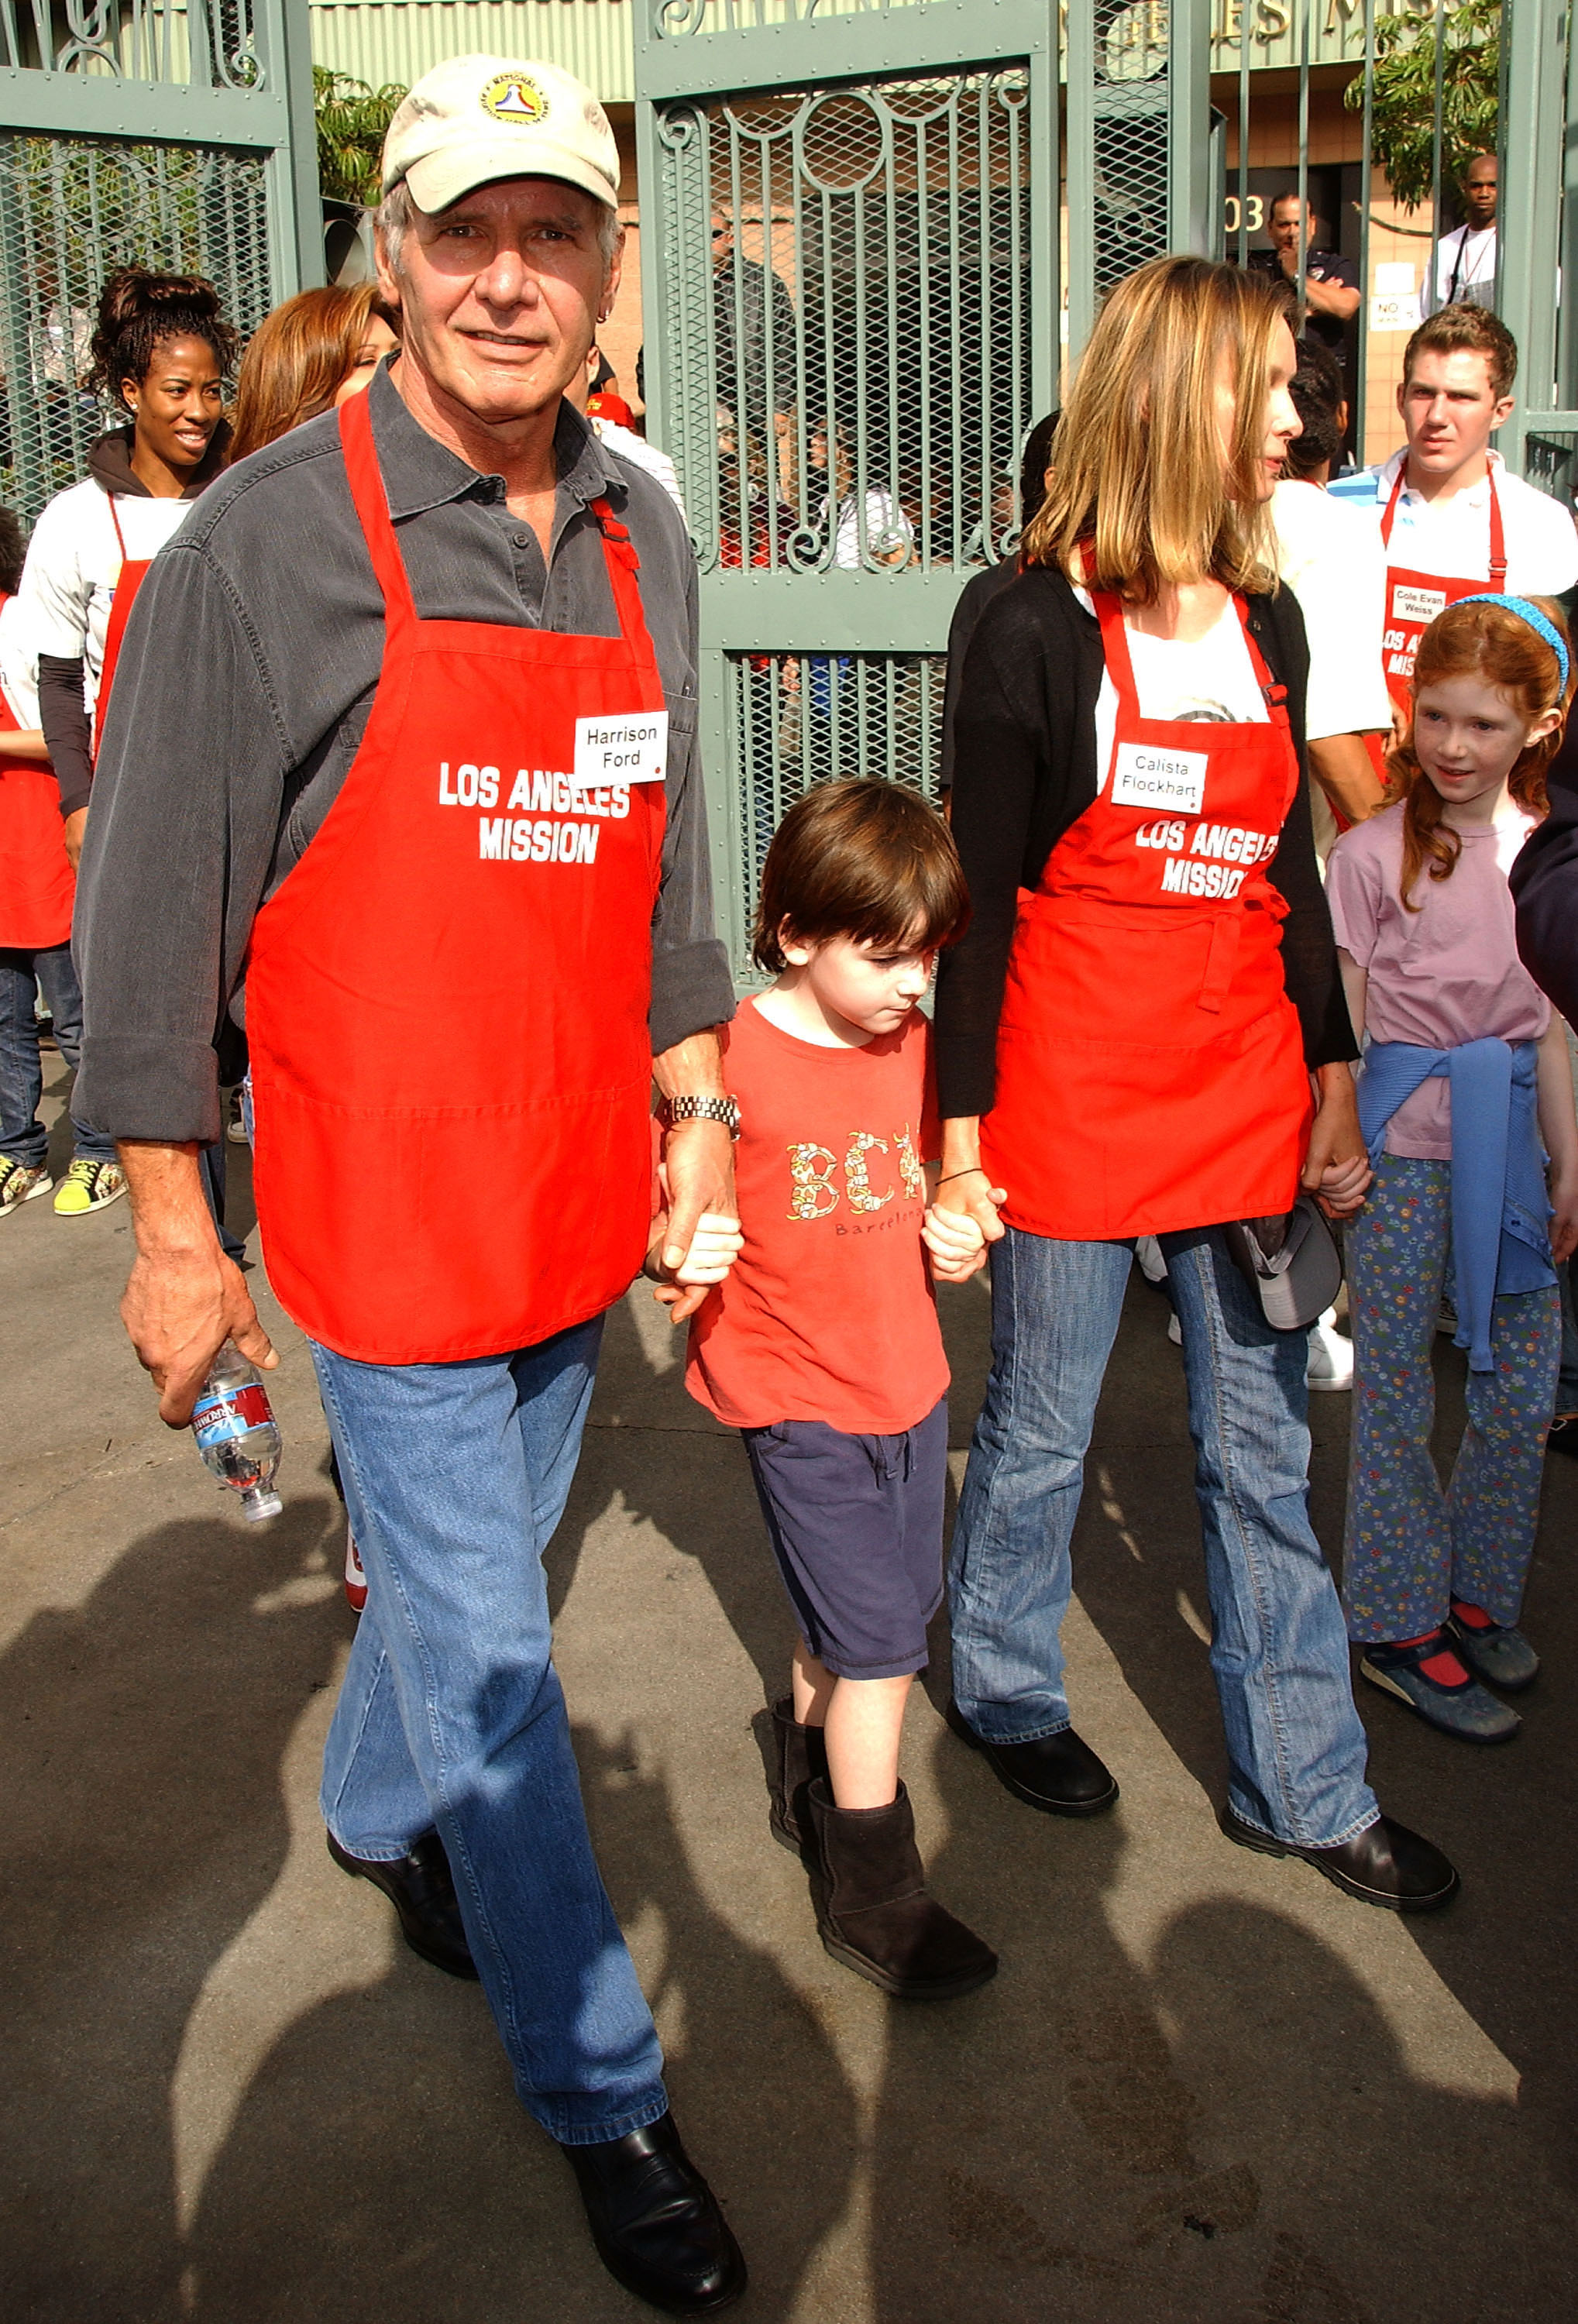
[(473, 120)]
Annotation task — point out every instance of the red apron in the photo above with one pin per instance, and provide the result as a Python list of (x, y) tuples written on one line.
[(446, 997), (1150, 1068), (1413, 599), (132, 572), (36, 881)]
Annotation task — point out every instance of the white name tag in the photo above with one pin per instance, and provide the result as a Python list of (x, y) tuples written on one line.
[(1158, 779), (632, 748), (1417, 604)]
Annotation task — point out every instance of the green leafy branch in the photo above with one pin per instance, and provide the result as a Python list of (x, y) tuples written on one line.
[(352, 119), (1405, 96)]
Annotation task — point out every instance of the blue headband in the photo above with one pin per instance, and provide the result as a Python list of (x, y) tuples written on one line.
[(1536, 620)]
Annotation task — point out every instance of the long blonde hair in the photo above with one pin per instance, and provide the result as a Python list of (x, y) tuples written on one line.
[(1139, 495)]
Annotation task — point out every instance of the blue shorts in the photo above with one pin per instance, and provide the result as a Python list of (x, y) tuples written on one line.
[(857, 1530)]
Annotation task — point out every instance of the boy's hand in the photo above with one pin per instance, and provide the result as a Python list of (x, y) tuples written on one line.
[(956, 1242), (1565, 1213), (715, 1245)]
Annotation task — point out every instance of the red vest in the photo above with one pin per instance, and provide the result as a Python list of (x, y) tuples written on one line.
[(1413, 599), (1150, 1068), (446, 997), (36, 883)]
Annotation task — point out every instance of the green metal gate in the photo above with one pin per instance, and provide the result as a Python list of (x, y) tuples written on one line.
[(178, 133), (850, 280)]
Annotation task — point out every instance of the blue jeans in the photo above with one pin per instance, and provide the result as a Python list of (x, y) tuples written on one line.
[(452, 1715), (22, 1136), (1279, 1654)]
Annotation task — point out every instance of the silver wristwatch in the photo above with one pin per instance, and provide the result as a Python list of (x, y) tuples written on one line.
[(703, 1109)]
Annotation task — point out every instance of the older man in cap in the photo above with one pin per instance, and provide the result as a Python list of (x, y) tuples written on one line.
[(442, 810)]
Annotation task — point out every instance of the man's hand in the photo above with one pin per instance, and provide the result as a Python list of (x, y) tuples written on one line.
[(715, 1245), (75, 828), (184, 1298), (699, 1181), (1336, 1168)]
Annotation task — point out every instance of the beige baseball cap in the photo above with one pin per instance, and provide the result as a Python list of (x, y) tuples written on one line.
[(472, 120)]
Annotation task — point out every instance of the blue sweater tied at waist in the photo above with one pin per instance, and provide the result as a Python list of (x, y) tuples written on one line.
[(1501, 1210)]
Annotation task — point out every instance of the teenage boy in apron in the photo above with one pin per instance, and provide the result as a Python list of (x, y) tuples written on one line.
[(1453, 520), (491, 933)]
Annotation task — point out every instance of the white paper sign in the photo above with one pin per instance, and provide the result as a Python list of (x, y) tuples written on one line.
[(632, 748), (1422, 605), (1394, 310), (1142, 777)]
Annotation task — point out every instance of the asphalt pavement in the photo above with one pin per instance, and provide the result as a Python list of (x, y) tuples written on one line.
[(1205, 2087)]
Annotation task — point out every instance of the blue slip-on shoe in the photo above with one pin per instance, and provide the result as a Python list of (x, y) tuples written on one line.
[(1502, 1656), (1460, 1707)]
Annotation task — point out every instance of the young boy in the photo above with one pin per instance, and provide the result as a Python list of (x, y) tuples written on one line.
[(820, 1344)]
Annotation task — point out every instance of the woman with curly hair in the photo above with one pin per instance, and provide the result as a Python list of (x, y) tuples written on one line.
[(160, 352), (1466, 1088)]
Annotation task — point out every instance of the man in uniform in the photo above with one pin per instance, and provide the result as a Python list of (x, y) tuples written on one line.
[(442, 803)]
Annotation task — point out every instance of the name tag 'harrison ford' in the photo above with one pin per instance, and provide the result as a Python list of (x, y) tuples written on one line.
[(632, 748), (1142, 777)]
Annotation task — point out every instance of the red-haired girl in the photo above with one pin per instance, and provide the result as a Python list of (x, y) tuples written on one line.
[(1466, 1090)]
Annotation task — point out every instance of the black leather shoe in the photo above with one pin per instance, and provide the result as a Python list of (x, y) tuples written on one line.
[(1059, 1774), (420, 1887), (656, 2222), (1385, 1863)]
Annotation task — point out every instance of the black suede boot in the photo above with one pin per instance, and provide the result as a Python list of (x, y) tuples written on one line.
[(872, 1911), (799, 1755)]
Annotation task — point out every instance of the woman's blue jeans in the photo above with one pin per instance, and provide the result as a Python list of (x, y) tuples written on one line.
[(1279, 1650), (451, 1714)]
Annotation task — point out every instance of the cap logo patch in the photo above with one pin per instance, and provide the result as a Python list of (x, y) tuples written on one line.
[(514, 97)]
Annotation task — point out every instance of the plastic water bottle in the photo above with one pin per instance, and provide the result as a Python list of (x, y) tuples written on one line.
[(237, 1434)]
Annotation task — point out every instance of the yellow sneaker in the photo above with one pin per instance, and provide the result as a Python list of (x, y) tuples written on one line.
[(89, 1186)]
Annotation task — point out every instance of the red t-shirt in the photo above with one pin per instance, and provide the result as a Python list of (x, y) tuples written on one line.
[(829, 1312)]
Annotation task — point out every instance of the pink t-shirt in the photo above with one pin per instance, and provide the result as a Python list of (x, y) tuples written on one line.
[(1440, 976)]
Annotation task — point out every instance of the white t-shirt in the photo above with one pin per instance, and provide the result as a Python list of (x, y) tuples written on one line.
[(629, 446), (885, 522), (1465, 268), (1329, 557), (1451, 534), (72, 562), (1210, 681), (18, 665)]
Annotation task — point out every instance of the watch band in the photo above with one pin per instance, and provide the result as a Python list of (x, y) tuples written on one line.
[(704, 1109)]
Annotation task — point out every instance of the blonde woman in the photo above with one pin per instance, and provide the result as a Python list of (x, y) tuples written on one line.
[(1144, 1033), (306, 357)]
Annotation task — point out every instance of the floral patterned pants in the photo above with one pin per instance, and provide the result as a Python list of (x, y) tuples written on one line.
[(1409, 1547)]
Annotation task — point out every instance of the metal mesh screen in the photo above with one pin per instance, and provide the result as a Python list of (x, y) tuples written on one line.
[(1130, 220), (853, 379), (200, 43), (801, 718), (72, 209)]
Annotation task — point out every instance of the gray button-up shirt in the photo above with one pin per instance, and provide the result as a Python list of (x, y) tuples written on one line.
[(248, 670)]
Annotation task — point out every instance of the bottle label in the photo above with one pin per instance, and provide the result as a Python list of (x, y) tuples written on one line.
[(230, 1412)]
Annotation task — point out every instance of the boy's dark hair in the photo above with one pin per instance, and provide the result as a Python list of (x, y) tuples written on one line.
[(1034, 462), (863, 860), (13, 551), (1465, 327), (1317, 389)]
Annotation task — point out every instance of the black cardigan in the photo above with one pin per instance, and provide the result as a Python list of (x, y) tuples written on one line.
[(1025, 771)]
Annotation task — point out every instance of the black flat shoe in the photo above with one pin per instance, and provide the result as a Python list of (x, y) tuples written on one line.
[(656, 2222), (422, 1889), (1386, 1864), (1059, 1775)]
